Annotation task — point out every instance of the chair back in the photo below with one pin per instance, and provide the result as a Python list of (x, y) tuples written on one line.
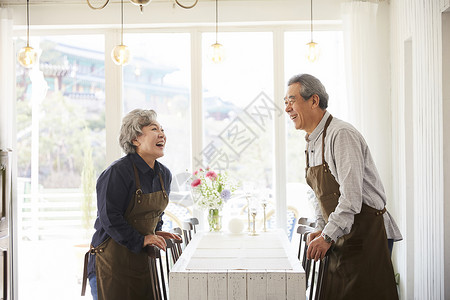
[(303, 230), (157, 275), (194, 222), (177, 230), (316, 278), (307, 222), (187, 229), (315, 271)]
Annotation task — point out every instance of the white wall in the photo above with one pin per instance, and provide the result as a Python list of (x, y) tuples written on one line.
[(417, 24), (446, 140)]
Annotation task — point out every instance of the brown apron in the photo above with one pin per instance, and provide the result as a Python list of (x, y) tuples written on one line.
[(359, 263), (122, 274)]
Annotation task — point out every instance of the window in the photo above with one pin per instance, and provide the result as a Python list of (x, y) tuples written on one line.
[(61, 136), (329, 68), (158, 78), (61, 142), (238, 115)]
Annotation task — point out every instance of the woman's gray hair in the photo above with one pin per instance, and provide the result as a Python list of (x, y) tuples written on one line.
[(310, 85), (132, 125)]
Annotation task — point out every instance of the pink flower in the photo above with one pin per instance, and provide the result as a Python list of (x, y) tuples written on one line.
[(211, 175), (196, 182), (196, 172)]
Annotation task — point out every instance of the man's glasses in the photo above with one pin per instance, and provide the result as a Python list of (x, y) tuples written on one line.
[(289, 101)]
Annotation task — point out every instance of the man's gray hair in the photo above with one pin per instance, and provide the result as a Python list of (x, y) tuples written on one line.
[(132, 125), (310, 85)]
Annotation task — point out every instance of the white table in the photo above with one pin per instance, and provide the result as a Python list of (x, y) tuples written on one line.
[(225, 266)]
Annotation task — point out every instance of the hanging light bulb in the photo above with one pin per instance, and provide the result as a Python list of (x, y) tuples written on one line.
[(120, 54), (217, 53), (27, 56), (217, 50), (141, 3), (313, 51)]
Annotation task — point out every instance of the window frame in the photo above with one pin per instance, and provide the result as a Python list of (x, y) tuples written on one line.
[(114, 104)]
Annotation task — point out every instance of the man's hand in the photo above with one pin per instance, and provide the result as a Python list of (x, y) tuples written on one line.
[(312, 236), (317, 248)]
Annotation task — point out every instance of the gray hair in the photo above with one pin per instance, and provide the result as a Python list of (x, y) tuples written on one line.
[(132, 125), (310, 85)]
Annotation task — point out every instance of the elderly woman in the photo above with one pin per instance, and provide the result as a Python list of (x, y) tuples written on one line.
[(132, 194)]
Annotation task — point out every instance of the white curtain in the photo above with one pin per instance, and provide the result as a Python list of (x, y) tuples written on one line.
[(7, 64), (366, 42)]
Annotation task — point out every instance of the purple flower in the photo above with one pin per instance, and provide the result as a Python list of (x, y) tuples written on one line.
[(225, 194)]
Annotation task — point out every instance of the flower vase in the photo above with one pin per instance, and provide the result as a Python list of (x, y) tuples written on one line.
[(214, 220)]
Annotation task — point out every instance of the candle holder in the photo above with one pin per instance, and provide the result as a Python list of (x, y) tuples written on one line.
[(253, 213), (264, 204), (248, 211)]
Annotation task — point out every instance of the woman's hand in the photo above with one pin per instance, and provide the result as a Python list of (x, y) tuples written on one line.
[(168, 235), (312, 236), (155, 240)]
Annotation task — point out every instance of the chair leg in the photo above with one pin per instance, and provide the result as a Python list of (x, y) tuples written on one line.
[(322, 278), (186, 240), (153, 277), (311, 286), (167, 262), (163, 282)]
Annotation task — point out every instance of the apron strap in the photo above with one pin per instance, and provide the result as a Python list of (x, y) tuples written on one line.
[(162, 185), (323, 142), (307, 156), (84, 281), (323, 137), (138, 182)]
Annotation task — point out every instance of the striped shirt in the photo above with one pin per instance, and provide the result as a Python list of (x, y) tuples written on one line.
[(351, 164)]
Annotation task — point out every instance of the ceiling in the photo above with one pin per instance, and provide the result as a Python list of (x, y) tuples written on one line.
[(34, 2)]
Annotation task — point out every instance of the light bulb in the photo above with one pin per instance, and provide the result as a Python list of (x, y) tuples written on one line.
[(217, 53), (27, 57), (141, 3), (120, 55), (313, 51)]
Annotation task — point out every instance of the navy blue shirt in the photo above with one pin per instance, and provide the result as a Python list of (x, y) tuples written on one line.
[(115, 188)]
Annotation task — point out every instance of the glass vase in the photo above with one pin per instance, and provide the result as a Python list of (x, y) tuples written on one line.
[(214, 220)]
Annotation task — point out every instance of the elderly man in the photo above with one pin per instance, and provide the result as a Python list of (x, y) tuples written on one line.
[(352, 222)]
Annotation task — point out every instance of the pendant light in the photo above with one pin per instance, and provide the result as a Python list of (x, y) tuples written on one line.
[(141, 3), (27, 56), (218, 53), (120, 54), (313, 48)]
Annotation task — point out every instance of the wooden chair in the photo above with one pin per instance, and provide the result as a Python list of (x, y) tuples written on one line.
[(157, 275), (187, 231), (171, 255), (178, 243), (194, 222), (307, 222), (315, 271), (303, 230), (316, 279)]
